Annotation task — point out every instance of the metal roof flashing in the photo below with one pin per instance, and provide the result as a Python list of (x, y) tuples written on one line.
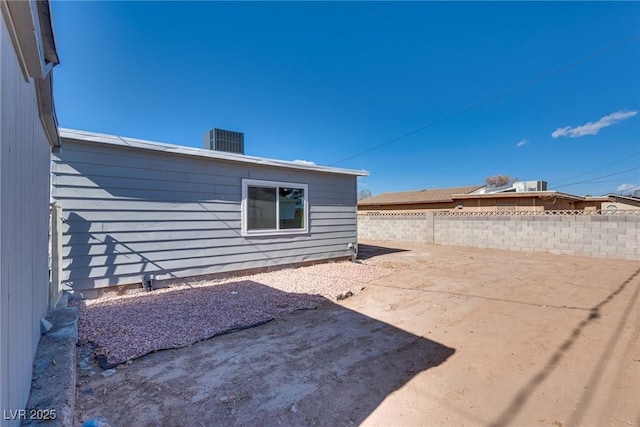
[(140, 144)]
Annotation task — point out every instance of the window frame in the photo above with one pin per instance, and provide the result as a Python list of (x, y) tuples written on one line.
[(246, 183)]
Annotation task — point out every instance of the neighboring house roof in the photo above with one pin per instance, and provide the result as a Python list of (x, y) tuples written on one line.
[(140, 144), (539, 194), (419, 196), (624, 199), (466, 193)]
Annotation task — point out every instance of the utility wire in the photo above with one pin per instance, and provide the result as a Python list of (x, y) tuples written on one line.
[(496, 97), (598, 177), (595, 170), (606, 180)]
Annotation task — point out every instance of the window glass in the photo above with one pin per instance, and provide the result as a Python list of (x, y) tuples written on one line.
[(291, 206), (261, 208)]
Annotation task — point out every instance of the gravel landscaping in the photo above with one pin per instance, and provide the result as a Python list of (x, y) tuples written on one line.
[(129, 326)]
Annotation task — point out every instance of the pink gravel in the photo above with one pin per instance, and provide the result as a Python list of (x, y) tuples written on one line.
[(129, 326)]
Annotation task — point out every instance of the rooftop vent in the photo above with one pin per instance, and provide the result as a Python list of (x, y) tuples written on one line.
[(224, 140)]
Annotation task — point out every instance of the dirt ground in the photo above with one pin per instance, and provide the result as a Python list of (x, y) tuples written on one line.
[(455, 337)]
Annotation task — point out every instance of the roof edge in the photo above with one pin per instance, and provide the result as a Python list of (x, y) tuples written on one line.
[(141, 144)]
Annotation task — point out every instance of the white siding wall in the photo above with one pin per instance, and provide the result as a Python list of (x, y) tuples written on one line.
[(24, 201), (130, 211)]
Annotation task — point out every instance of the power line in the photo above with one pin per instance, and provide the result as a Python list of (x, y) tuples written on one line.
[(597, 169), (606, 180), (496, 97), (598, 177)]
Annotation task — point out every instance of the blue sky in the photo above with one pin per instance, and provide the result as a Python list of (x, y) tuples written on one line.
[(328, 82)]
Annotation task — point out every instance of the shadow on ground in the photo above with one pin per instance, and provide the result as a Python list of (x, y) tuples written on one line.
[(370, 251), (330, 366), (520, 399)]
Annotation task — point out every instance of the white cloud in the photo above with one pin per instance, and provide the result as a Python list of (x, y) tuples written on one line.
[(628, 188), (592, 128), (521, 143), (304, 162)]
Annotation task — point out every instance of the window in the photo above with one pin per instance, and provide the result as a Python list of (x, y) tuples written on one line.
[(274, 207)]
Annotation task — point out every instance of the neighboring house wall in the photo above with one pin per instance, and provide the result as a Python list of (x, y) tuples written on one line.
[(498, 204), (434, 199), (485, 203), (409, 207), (130, 211), (24, 203), (607, 236), (590, 204), (617, 205), (462, 199)]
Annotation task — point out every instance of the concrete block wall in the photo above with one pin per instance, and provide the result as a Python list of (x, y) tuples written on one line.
[(605, 236), (414, 228)]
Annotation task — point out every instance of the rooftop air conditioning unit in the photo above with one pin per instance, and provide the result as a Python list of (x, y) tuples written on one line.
[(536, 185), (524, 186), (224, 140)]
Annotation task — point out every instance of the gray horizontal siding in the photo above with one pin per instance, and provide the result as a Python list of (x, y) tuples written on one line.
[(128, 212), (24, 204), (109, 215), (103, 227), (163, 177), (215, 255), (145, 246), (119, 276), (80, 205), (74, 237)]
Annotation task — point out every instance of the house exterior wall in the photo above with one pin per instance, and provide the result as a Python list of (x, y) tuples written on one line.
[(24, 203), (605, 236), (128, 212)]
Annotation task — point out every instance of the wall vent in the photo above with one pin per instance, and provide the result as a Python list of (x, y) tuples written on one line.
[(224, 140)]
